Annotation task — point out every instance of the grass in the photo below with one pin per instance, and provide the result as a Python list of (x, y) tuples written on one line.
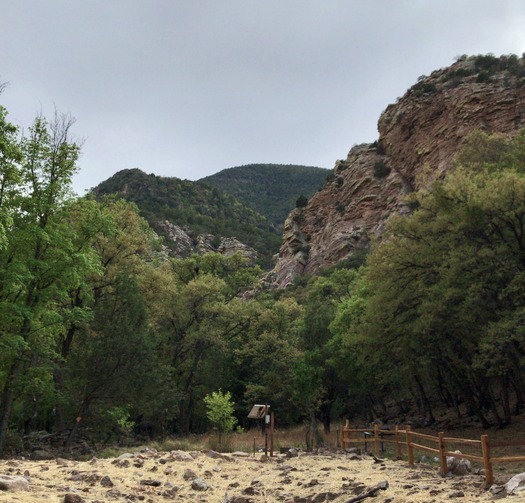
[(244, 441), (295, 437)]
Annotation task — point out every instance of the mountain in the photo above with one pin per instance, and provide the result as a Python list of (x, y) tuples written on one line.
[(422, 131), (193, 216), (270, 189)]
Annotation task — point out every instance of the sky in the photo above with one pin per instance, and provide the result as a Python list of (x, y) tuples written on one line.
[(187, 88)]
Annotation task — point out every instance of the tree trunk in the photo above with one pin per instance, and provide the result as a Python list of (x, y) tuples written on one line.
[(424, 398), (7, 402), (81, 415), (505, 398), (517, 383)]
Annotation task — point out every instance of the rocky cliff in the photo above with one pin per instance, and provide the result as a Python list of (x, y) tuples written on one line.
[(179, 244), (423, 129)]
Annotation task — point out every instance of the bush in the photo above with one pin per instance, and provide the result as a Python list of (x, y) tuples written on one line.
[(301, 202), (381, 169)]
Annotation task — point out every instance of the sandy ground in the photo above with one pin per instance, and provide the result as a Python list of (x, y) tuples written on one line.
[(153, 476)]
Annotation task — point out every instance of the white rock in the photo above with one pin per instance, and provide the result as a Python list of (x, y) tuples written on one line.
[(13, 483), (516, 484)]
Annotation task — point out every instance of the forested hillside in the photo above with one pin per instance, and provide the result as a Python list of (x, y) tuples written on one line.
[(103, 336), (198, 208), (270, 189)]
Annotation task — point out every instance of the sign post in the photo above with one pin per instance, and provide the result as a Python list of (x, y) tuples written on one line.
[(262, 412)]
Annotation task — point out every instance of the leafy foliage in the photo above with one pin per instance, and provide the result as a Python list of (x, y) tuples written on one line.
[(220, 411)]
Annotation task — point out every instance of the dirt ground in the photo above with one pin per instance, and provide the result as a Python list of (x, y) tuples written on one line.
[(208, 476)]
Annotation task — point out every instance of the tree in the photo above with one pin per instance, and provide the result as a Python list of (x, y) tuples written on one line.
[(199, 313), (447, 283), (320, 299), (42, 260), (220, 412)]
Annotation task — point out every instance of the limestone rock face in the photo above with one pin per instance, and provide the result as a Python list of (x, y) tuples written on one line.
[(422, 131), (179, 244)]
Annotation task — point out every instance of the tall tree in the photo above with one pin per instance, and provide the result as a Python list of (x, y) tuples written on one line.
[(40, 262), (447, 281)]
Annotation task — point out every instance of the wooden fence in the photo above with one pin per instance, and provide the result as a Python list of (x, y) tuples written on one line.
[(408, 440)]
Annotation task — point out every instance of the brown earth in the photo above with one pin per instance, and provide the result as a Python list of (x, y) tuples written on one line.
[(153, 476)]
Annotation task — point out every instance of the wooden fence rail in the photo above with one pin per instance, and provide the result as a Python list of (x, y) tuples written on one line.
[(411, 440)]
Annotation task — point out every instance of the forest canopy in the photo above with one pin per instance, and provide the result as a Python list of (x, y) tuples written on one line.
[(100, 330)]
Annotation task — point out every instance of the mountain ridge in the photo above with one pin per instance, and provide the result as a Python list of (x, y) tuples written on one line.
[(198, 217), (269, 189)]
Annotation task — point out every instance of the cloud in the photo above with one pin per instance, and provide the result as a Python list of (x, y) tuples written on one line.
[(189, 88)]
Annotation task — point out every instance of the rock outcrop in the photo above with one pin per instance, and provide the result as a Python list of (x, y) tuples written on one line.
[(178, 243), (423, 130)]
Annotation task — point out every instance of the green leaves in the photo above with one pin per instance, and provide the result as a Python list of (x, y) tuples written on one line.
[(219, 411)]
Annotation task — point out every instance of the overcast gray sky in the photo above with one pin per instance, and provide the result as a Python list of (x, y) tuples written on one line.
[(187, 88)]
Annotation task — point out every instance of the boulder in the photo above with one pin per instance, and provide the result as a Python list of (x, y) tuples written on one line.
[(13, 483), (516, 484), (199, 485), (458, 466)]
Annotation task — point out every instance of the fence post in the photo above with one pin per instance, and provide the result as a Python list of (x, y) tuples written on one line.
[(272, 428), (409, 446), (399, 453), (345, 434), (485, 449), (442, 457), (376, 439)]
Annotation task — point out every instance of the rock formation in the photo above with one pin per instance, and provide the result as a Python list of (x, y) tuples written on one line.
[(178, 243), (423, 129)]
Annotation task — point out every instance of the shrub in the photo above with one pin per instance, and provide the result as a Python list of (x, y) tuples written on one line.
[(381, 169), (301, 202)]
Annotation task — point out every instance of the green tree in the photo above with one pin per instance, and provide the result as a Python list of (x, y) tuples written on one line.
[(447, 284), (219, 411), (42, 260), (200, 313)]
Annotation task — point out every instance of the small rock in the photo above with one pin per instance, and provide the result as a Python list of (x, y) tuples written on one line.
[(73, 498), (189, 474), (181, 456), (457, 494), (240, 454), (199, 485), (321, 497), (292, 453), (126, 455), (106, 482), (150, 482), (251, 491), (494, 489)]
